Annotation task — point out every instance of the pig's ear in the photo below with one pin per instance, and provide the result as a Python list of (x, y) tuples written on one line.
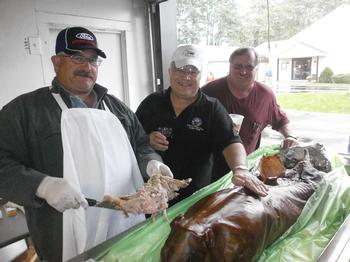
[(271, 167)]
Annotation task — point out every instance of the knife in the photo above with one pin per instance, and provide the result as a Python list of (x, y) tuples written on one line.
[(95, 203)]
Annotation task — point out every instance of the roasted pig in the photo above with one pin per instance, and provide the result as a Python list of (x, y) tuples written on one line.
[(237, 225)]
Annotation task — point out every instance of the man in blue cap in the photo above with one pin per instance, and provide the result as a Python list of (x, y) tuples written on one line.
[(72, 140)]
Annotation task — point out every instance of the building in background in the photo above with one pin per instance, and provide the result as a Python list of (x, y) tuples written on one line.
[(304, 56)]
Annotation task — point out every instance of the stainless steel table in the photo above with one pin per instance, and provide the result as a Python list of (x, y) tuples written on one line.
[(12, 229), (103, 247), (338, 249)]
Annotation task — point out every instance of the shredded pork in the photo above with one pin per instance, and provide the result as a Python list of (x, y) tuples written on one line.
[(152, 197)]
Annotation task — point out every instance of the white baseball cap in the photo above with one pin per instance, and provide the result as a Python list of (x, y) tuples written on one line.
[(188, 55)]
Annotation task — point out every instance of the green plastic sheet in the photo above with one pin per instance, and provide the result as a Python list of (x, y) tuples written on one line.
[(321, 217)]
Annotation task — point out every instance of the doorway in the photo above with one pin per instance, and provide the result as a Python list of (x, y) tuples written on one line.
[(113, 72), (301, 68)]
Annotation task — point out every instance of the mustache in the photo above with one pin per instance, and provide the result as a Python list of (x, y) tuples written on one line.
[(83, 73)]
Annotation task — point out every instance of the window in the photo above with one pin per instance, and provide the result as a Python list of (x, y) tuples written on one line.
[(301, 68)]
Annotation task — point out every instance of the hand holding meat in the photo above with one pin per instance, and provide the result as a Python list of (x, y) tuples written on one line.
[(157, 167), (152, 197), (59, 194), (245, 179)]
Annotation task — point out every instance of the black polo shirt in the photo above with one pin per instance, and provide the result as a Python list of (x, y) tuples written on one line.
[(202, 128)]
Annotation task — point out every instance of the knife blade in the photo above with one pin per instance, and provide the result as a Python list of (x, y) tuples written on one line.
[(95, 203)]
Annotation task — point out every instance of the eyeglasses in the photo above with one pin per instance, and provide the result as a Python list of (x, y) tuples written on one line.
[(79, 59), (240, 67), (185, 70)]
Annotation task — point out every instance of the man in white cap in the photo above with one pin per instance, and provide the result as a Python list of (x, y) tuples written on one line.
[(185, 127)]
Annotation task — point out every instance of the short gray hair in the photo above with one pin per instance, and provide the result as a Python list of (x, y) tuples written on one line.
[(244, 50)]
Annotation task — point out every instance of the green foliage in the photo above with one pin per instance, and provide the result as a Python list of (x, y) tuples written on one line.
[(326, 76), (244, 23), (342, 79), (338, 102), (211, 22)]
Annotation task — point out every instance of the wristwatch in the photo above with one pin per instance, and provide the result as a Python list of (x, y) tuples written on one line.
[(240, 167)]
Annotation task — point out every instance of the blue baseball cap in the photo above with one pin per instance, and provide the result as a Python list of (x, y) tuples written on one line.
[(75, 39)]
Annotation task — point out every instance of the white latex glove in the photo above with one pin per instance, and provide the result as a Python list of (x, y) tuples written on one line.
[(59, 194), (157, 167)]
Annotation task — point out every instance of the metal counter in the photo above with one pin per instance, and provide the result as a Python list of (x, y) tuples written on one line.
[(338, 249), (13, 228), (103, 247)]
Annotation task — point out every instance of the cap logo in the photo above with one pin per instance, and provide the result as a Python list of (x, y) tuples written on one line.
[(190, 53), (84, 36), (195, 124)]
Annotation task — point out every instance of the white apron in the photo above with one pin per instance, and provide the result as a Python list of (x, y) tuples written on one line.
[(98, 160)]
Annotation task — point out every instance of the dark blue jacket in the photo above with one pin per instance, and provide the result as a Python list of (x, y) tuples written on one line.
[(31, 148)]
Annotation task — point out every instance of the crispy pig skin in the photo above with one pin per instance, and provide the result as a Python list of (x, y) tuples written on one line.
[(271, 167)]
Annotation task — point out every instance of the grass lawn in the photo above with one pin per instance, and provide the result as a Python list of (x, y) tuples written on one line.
[(337, 102)]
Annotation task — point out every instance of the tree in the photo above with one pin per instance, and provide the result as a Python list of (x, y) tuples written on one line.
[(190, 21), (206, 21), (254, 24), (225, 22), (326, 76)]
